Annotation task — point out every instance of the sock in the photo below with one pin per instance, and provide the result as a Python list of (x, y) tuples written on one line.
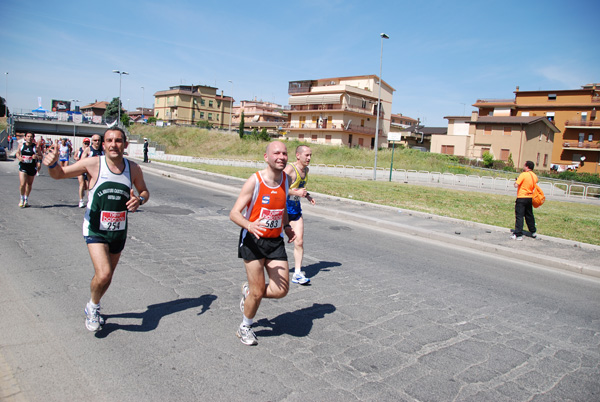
[(22, 198), (26, 198), (298, 271), (247, 322), (91, 303)]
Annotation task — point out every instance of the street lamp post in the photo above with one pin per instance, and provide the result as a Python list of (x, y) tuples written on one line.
[(74, 126), (231, 111), (120, 76), (142, 104), (383, 36)]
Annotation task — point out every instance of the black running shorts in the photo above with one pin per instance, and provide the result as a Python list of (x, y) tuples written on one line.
[(251, 248)]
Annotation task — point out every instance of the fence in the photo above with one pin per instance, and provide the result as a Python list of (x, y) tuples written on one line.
[(550, 188)]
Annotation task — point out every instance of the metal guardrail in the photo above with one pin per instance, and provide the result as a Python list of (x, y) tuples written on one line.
[(555, 189)]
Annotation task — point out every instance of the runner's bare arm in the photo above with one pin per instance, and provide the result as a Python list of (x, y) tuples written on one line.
[(137, 178), (256, 228), (289, 231)]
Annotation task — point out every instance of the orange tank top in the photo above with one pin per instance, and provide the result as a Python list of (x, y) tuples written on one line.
[(268, 205)]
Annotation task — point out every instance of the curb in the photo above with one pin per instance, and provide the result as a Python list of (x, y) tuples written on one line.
[(403, 229)]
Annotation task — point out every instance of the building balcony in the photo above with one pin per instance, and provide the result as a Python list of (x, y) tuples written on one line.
[(330, 108), (583, 123), (349, 128), (582, 146)]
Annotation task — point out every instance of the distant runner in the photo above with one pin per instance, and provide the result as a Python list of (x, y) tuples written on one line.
[(82, 178), (27, 155), (298, 173)]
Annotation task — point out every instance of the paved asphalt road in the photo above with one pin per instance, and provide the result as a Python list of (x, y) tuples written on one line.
[(389, 316)]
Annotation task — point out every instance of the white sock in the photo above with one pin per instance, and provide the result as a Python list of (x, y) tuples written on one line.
[(91, 303), (247, 322)]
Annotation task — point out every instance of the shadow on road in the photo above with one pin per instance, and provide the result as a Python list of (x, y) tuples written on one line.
[(152, 316), (296, 323), (313, 269)]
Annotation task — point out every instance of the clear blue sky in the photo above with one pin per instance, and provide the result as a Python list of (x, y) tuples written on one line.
[(441, 56)]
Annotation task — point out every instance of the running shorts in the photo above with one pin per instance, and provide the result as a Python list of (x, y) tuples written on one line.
[(251, 248)]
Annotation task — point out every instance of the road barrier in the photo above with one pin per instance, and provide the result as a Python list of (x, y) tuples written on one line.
[(556, 189)]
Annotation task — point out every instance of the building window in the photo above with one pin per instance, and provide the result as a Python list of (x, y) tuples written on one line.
[(314, 137), (202, 115), (193, 114), (362, 122), (361, 142), (504, 154), (448, 149), (550, 116), (525, 114), (537, 161), (484, 150), (507, 130), (590, 137), (300, 136), (217, 116), (581, 137), (210, 103), (551, 97), (202, 102), (328, 138), (210, 116), (583, 116), (545, 160), (487, 130)]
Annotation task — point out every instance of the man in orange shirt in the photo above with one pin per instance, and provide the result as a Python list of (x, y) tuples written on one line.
[(523, 208), (261, 212)]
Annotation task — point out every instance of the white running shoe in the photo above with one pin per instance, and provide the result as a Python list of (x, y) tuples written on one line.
[(246, 335), (21, 203), (245, 293), (81, 204), (300, 279), (92, 318)]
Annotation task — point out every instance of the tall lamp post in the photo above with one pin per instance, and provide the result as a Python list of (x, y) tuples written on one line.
[(142, 104), (231, 111), (383, 36), (121, 73), (74, 126)]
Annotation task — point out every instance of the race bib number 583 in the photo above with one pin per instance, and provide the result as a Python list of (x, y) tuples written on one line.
[(112, 221), (271, 218)]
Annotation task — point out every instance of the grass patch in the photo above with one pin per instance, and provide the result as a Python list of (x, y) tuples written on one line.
[(577, 222)]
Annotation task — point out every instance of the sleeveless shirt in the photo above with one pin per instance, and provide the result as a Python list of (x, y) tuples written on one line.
[(293, 201), (267, 205), (106, 212), (27, 153)]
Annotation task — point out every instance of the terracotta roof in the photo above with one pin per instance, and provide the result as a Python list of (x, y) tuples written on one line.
[(97, 105), (516, 120)]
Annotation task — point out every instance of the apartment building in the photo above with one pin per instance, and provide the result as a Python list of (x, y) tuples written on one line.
[(189, 104), (521, 138), (259, 115), (572, 111), (339, 111)]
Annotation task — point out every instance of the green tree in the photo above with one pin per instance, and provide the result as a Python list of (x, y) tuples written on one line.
[(152, 120), (204, 124), (242, 124), (488, 159), (510, 161), (264, 136), (112, 111), (125, 119)]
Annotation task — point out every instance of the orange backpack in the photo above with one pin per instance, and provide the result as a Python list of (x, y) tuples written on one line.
[(538, 196)]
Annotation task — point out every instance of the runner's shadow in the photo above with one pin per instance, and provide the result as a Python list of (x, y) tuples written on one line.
[(296, 323), (152, 316), (314, 269), (57, 206)]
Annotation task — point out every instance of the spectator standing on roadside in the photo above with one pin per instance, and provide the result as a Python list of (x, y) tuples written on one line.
[(146, 150), (525, 185)]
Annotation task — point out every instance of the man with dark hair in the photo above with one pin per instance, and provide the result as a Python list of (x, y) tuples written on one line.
[(27, 154), (146, 150), (525, 185), (111, 197)]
